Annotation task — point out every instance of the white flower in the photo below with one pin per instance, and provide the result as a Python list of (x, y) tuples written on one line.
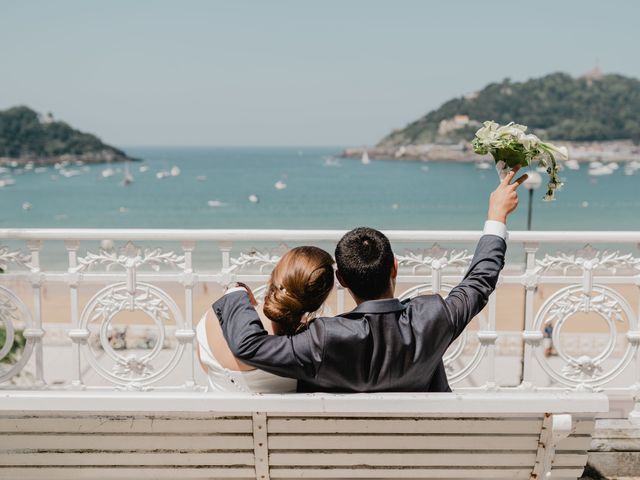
[(495, 139), (529, 141)]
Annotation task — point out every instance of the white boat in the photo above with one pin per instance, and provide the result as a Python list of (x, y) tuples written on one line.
[(40, 169), (280, 185), (127, 178), (600, 171), (215, 203), (631, 167), (108, 172), (365, 158), (175, 171), (27, 206), (162, 174), (613, 165), (3, 170), (254, 199), (595, 164), (483, 165), (5, 182), (572, 164), (69, 173), (331, 162), (143, 168)]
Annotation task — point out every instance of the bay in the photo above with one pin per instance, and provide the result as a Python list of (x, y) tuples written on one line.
[(215, 183)]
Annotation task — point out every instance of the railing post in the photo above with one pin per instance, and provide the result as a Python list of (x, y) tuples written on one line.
[(76, 334), (530, 337), (226, 276), (339, 298), (188, 282), (489, 338), (38, 332)]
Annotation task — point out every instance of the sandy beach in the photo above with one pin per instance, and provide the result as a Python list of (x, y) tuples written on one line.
[(509, 304)]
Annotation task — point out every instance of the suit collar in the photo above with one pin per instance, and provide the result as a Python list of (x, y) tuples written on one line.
[(386, 305)]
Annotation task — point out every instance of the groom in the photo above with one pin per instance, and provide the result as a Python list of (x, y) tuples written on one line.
[(383, 344)]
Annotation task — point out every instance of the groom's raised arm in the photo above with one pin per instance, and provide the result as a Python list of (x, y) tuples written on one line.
[(469, 297), (295, 356)]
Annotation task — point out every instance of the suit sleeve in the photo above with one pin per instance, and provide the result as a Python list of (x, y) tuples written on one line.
[(469, 297), (296, 356)]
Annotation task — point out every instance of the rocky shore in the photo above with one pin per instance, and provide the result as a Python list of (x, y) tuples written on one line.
[(610, 151), (102, 156)]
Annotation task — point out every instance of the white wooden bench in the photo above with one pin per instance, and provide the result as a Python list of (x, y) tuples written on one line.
[(121, 435)]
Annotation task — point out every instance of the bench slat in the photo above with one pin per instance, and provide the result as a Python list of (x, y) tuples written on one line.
[(422, 425), (108, 473), (125, 442), (566, 473), (423, 459), (570, 459), (141, 458), (582, 427), (574, 443), (125, 424), (397, 442), (391, 473)]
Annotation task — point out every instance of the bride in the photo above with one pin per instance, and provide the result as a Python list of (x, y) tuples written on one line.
[(299, 285)]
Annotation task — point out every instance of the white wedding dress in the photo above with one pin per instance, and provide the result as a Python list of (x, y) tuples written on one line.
[(224, 380)]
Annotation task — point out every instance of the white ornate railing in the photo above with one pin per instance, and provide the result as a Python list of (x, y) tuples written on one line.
[(118, 283)]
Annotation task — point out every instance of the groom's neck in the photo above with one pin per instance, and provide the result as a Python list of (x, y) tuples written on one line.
[(385, 296)]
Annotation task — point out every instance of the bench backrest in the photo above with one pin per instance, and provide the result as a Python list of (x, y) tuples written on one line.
[(296, 436)]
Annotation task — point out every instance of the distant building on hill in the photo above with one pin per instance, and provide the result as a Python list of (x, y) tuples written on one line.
[(455, 123), (593, 75), (46, 118)]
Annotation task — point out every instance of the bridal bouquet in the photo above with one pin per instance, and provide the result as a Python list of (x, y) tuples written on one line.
[(510, 145)]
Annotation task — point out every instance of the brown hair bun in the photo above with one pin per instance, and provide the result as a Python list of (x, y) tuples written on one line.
[(300, 283)]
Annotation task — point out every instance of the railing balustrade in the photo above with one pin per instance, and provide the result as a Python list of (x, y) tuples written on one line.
[(133, 305)]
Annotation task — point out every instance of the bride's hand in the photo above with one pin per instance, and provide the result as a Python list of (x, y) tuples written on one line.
[(252, 297)]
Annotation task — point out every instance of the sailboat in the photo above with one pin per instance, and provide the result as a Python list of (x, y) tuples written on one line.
[(365, 158), (127, 179)]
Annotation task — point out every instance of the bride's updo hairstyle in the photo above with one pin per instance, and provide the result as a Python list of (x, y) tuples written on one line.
[(300, 283)]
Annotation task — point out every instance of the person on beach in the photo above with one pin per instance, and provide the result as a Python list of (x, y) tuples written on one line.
[(383, 344), (298, 286)]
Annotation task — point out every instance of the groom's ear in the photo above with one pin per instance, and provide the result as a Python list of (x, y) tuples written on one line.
[(340, 280), (394, 269)]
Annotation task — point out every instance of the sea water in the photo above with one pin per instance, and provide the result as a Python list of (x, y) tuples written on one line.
[(214, 186)]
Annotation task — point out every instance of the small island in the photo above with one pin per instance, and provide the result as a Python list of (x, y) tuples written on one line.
[(27, 137), (596, 116)]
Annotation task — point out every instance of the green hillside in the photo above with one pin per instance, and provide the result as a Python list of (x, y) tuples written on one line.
[(590, 108), (24, 134)]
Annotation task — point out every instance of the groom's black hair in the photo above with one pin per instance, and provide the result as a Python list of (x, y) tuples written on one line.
[(364, 259)]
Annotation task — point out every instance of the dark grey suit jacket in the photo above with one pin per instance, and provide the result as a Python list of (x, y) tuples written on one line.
[(381, 345)]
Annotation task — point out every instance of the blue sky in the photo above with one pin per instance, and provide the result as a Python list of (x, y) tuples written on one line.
[(287, 72)]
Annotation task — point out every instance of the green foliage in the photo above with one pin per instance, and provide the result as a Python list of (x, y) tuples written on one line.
[(556, 106), (19, 343), (23, 134)]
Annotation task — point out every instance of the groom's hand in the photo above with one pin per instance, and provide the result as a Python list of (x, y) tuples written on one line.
[(504, 199)]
